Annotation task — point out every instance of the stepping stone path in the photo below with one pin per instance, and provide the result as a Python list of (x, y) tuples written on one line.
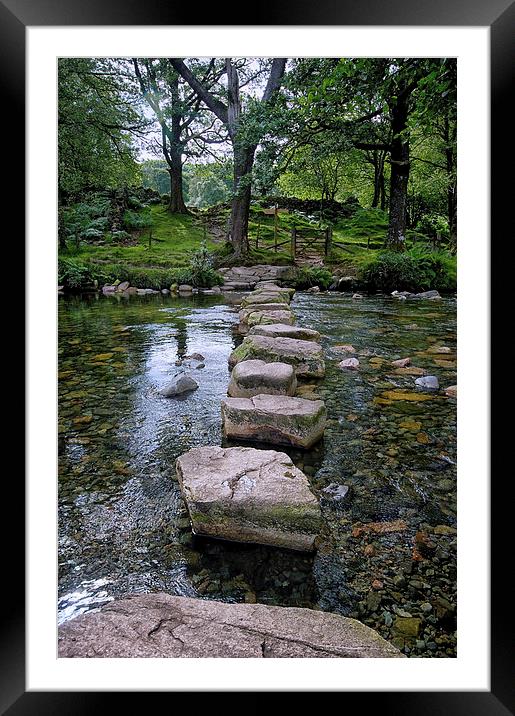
[(275, 419), (243, 494), (248, 495), (252, 377)]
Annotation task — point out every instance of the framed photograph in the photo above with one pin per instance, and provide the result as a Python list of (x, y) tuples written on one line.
[(157, 262)]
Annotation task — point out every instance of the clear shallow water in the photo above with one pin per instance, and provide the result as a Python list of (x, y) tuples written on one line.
[(123, 526)]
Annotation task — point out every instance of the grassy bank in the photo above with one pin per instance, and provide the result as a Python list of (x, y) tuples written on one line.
[(158, 249)]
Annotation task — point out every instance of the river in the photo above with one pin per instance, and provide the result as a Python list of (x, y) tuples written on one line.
[(388, 551)]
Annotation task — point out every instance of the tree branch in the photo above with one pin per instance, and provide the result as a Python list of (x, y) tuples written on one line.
[(209, 100)]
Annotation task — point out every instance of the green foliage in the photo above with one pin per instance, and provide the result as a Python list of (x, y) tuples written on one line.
[(95, 124), (201, 270), (433, 225), (309, 276), (414, 270), (74, 274), (137, 220)]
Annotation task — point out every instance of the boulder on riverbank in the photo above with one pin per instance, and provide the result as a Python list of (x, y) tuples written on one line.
[(275, 419), (282, 330), (248, 495), (252, 377), (305, 356), (161, 625)]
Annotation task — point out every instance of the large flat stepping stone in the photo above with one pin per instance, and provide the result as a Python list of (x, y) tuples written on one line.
[(252, 377), (264, 296), (265, 307), (257, 318), (275, 419), (284, 330), (248, 495), (164, 626), (305, 356)]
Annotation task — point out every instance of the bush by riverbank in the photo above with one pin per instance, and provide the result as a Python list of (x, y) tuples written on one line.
[(414, 270)]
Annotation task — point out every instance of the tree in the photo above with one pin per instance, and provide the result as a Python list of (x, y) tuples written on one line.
[(244, 135), (180, 117), (96, 124)]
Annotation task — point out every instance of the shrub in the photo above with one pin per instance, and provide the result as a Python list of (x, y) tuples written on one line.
[(309, 276), (133, 220), (413, 270), (432, 225), (200, 270), (74, 274)]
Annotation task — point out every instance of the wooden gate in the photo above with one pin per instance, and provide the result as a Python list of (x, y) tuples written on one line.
[(319, 240)]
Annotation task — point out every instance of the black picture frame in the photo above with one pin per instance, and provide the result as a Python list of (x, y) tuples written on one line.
[(499, 16)]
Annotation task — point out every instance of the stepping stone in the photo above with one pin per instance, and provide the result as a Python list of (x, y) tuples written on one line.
[(266, 307), (252, 377), (305, 356), (257, 318), (281, 296), (247, 495), (160, 625), (282, 330), (275, 419)]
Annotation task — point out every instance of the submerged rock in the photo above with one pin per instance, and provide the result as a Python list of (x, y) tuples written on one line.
[(164, 626), (283, 330), (349, 363), (180, 384), (248, 495), (252, 377), (428, 294), (274, 419), (428, 381), (344, 348), (452, 391), (336, 492), (401, 363), (306, 356)]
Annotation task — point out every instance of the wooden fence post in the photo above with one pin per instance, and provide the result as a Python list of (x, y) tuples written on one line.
[(257, 232), (328, 240), (275, 228)]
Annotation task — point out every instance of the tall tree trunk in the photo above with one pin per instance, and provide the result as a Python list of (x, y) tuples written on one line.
[(174, 154), (240, 209), (176, 204), (400, 167)]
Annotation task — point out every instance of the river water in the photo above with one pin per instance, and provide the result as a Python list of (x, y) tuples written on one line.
[(388, 552)]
